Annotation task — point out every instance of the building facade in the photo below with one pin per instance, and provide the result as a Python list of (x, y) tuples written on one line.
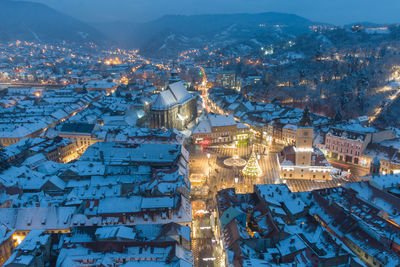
[(220, 129), (82, 133), (289, 134), (63, 150), (350, 143), (346, 147)]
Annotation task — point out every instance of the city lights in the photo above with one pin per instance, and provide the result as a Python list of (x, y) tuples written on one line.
[(256, 139)]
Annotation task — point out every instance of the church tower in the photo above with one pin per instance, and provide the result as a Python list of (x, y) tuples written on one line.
[(304, 140), (174, 77), (375, 167)]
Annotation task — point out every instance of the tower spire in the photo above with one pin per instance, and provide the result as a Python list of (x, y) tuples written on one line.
[(338, 116), (174, 75), (375, 167), (306, 119)]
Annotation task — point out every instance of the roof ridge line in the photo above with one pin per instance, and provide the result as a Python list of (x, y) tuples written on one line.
[(172, 92)]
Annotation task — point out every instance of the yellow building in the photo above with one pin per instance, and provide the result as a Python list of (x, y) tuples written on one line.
[(82, 133), (7, 243), (220, 129)]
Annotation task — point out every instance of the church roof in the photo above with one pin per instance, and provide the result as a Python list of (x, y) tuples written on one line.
[(176, 93), (164, 100), (180, 92)]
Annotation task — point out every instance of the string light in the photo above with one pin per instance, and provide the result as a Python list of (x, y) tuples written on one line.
[(252, 167)]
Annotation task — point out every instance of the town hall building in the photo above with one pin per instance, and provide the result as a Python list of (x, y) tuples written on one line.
[(303, 161)]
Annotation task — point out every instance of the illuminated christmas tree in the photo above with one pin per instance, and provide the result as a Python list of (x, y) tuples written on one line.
[(252, 169)]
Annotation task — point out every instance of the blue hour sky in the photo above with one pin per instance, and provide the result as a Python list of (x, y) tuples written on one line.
[(332, 11)]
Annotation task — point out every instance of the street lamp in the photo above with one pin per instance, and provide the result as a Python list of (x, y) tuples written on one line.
[(236, 180)]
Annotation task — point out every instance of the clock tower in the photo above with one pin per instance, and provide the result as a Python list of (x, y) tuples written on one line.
[(304, 140)]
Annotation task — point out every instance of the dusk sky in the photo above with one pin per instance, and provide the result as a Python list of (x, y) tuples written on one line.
[(332, 11)]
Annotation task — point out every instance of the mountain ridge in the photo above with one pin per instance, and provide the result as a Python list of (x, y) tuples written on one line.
[(197, 30), (35, 21)]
